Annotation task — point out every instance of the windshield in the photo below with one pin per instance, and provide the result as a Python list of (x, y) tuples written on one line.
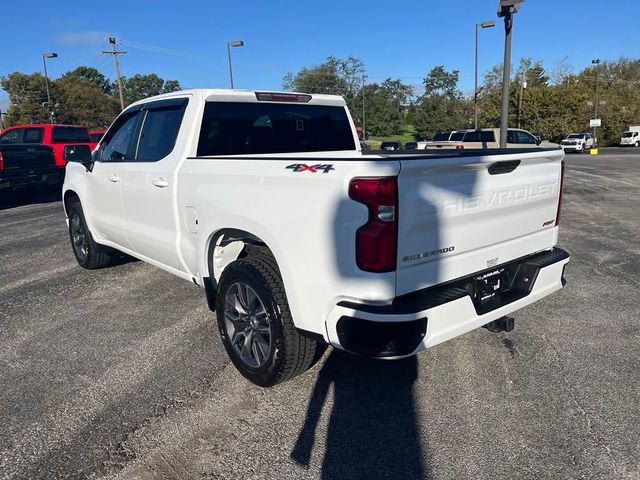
[(575, 135), (250, 128), (627, 135), (457, 136)]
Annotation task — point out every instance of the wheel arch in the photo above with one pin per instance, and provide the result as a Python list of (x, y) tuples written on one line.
[(68, 198), (225, 246)]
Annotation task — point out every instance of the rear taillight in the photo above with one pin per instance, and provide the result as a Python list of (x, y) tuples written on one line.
[(1, 162), (377, 240), (459, 147), (560, 196)]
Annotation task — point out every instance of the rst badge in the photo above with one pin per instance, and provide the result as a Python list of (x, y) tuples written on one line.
[(303, 167)]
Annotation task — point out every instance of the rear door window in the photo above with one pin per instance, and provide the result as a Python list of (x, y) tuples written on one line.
[(159, 132), (32, 135), (253, 128)]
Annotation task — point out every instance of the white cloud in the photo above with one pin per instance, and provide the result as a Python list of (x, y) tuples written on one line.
[(82, 38)]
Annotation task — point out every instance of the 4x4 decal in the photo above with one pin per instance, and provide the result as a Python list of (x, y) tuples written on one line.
[(303, 167)]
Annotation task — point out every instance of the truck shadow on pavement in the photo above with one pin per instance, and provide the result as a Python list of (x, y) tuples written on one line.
[(28, 197), (373, 428)]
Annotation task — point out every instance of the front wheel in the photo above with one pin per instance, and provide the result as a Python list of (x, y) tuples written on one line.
[(256, 325), (88, 253), (637, 144)]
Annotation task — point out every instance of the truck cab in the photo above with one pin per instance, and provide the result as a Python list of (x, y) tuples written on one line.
[(631, 138)]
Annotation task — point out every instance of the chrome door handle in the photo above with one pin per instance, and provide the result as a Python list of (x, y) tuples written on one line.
[(160, 183), (114, 178)]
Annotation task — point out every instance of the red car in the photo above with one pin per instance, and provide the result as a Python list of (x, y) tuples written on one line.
[(60, 138)]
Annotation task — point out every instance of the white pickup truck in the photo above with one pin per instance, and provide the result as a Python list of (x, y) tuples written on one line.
[(302, 240), (577, 142)]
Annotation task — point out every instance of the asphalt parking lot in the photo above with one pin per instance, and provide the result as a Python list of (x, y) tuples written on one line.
[(119, 373)]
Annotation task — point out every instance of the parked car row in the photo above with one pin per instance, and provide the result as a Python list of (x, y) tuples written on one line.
[(483, 138)]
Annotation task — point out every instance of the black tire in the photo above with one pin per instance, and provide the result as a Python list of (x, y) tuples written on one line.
[(88, 253), (288, 353), (637, 144)]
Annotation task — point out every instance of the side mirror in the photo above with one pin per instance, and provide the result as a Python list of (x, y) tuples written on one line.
[(79, 154), (538, 140)]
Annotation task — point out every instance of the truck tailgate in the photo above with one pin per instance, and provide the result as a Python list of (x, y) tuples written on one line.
[(26, 158), (462, 214)]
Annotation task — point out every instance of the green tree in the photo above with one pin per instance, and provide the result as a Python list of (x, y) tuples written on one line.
[(385, 106), (442, 107), (92, 76), (336, 76), (27, 97), (82, 102), (139, 87)]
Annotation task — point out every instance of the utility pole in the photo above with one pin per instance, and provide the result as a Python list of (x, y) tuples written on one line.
[(523, 85), (364, 135), (115, 53)]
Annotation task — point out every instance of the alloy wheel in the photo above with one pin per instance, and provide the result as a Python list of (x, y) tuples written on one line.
[(79, 237), (248, 325)]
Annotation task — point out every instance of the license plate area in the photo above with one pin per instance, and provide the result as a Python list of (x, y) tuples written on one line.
[(488, 285)]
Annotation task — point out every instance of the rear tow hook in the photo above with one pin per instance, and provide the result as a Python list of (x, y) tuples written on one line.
[(502, 324)]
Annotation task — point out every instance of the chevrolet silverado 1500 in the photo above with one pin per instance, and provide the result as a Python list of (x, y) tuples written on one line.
[(302, 240)]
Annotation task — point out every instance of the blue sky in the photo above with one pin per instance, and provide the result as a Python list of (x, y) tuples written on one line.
[(187, 40)]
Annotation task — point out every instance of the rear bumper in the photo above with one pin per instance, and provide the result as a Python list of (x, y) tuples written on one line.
[(422, 319), (47, 177)]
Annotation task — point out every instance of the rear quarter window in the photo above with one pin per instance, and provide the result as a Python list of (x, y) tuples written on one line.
[(480, 136), (230, 128), (70, 134)]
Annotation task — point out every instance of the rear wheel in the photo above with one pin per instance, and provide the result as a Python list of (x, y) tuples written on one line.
[(88, 253), (256, 325)]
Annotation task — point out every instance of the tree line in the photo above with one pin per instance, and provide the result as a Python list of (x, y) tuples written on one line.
[(555, 102), (83, 96)]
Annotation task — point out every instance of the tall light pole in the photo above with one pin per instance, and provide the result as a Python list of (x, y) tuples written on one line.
[(596, 62), (233, 43), (487, 24), (506, 9), (46, 80)]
